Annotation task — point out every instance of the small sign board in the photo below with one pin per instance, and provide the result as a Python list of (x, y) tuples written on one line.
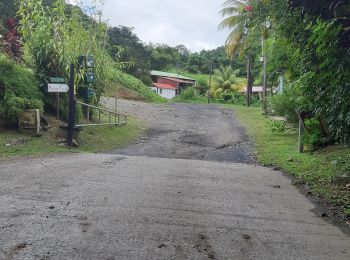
[(89, 77), (90, 62), (57, 88), (57, 80)]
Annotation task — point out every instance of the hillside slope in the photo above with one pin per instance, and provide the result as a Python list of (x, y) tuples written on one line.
[(132, 88)]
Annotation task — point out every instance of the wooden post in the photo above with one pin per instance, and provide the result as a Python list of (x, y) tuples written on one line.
[(88, 115), (72, 108), (301, 132), (301, 135), (58, 109)]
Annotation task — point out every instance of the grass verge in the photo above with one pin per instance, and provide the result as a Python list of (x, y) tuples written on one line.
[(93, 139), (326, 172)]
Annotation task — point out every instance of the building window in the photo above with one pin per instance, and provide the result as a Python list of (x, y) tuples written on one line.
[(161, 91)]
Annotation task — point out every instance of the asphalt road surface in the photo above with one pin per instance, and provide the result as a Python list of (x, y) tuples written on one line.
[(202, 132), (144, 203)]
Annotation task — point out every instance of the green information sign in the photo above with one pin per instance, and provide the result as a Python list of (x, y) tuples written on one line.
[(57, 80)]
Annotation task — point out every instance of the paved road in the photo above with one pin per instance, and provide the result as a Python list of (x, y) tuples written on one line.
[(107, 206), (202, 132)]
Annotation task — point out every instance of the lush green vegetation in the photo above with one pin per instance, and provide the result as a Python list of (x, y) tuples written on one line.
[(53, 35), (307, 43), (53, 38), (191, 95), (325, 171), (93, 139), (226, 82), (18, 90)]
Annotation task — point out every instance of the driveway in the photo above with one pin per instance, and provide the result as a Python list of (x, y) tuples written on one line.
[(154, 201)]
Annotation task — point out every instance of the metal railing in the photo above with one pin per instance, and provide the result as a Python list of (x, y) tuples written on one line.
[(112, 118)]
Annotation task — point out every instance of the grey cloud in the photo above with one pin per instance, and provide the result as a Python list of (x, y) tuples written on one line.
[(192, 23)]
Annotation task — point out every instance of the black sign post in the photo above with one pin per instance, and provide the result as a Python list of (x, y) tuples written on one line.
[(72, 108)]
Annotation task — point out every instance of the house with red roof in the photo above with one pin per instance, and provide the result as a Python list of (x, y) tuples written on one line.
[(169, 85)]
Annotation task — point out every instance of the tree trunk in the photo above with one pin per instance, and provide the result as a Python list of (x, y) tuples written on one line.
[(250, 81)]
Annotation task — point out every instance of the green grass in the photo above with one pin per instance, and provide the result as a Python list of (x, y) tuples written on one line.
[(105, 138), (93, 139), (326, 171), (197, 100)]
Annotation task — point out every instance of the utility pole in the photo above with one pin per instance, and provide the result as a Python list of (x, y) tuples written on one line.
[(211, 73), (249, 81), (116, 100), (265, 85), (264, 94)]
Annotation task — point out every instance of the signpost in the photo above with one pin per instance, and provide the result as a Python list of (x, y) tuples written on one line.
[(57, 80), (57, 88), (57, 85)]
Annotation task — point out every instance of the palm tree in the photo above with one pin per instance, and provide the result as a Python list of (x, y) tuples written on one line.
[(225, 80), (237, 20)]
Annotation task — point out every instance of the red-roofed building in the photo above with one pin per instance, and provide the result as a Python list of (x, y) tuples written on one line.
[(169, 85)]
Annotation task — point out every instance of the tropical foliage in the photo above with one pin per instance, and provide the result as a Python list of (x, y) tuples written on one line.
[(244, 37), (307, 44), (225, 81), (53, 39), (18, 90)]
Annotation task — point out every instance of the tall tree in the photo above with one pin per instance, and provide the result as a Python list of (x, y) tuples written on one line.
[(237, 19)]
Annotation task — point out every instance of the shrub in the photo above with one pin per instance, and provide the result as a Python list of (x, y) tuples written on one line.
[(19, 90), (188, 94), (285, 104), (314, 135)]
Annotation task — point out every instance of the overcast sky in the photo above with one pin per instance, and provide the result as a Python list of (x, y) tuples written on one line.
[(193, 23)]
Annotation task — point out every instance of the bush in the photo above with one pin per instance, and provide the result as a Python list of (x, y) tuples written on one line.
[(19, 90), (285, 104), (314, 135), (188, 94)]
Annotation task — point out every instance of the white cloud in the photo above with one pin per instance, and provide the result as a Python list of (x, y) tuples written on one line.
[(192, 23)]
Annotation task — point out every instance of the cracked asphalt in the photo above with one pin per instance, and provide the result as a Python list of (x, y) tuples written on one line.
[(187, 131), (203, 199)]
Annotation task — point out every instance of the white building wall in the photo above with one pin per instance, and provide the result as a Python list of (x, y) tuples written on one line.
[(165, 93)]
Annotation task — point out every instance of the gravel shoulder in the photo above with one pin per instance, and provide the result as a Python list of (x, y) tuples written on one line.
[(186, 131)]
